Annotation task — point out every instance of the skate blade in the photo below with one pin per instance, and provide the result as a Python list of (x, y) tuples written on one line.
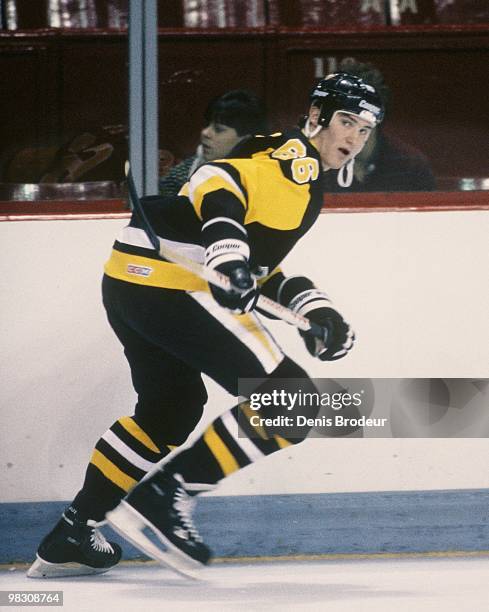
[(132, 525), (45, 569)]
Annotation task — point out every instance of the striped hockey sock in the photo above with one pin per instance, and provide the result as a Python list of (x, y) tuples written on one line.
[(122, 456), (225, 447)]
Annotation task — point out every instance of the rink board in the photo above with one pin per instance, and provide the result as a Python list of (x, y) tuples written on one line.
[(406, 280), (412, 284), (291, 525)]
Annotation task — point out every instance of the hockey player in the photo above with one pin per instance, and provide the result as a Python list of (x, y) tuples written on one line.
[(240, 216)]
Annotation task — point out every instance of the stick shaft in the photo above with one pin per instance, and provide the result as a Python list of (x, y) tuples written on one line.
[(221, 280)]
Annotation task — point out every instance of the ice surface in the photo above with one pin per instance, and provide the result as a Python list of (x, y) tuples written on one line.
[(394, 585)]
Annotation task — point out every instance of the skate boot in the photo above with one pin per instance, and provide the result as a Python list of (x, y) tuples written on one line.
[(156, 517), (74, 548)]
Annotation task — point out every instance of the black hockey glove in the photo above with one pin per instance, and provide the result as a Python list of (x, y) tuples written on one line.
[(338, 338), (230, 257), (236, 301), (315, 305)]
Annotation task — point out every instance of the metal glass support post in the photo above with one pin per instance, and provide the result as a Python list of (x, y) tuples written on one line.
[(143, 94)]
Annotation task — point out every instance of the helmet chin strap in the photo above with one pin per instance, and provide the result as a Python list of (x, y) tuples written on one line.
[(311, 132), (345, 174)]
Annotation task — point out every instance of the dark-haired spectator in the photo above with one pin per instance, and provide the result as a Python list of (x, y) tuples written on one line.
[(229, 119)]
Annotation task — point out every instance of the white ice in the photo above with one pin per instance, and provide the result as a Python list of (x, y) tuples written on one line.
[(394, 585)]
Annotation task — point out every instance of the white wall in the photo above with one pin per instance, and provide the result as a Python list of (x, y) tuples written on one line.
[(414, 285)]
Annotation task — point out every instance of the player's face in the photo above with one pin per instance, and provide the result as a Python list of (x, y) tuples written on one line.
[(343, 139), (217, 140)]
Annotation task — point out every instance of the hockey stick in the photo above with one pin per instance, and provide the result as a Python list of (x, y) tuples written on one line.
[(213, 276)]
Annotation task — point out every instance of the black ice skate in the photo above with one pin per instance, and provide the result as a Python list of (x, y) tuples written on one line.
[(156, 517), (74, 548)]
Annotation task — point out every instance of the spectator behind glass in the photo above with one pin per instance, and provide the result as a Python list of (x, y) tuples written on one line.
[(229, 119), (386, 163)]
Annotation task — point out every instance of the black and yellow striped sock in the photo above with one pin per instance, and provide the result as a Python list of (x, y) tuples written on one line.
[(122, 456), (225, 447)]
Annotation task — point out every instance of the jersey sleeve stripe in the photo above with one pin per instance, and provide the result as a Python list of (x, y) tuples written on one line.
[(225, 220), (210, 178)]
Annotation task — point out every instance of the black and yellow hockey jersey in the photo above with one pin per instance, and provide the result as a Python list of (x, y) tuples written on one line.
[(270, 185)]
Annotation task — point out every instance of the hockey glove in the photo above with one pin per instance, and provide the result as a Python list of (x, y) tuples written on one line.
[(315, 305), (230, 257)]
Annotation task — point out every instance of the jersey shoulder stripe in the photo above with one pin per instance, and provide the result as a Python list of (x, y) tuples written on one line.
[(209, 178)]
